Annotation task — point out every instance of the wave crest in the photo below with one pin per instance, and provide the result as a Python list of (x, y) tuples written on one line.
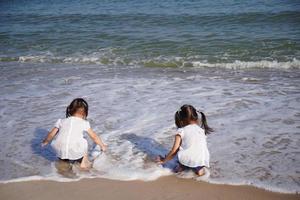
[(113, 60)]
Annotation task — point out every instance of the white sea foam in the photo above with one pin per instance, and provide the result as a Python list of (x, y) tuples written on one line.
[(249, 183), (39, 178), (111, 59), (248, 65), (116, 173), (132, 109)]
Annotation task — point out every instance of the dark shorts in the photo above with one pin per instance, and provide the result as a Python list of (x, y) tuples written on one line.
[(194, 169), (72, 161)]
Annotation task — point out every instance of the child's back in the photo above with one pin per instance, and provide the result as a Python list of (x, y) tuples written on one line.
[(70, 143), (190, 141), (193, 151)]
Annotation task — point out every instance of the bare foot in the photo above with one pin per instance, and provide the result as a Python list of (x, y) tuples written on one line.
[(85, 163), (201, 172)]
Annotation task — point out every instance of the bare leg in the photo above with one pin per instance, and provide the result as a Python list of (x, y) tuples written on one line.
[(200, 172), (64, 168), (85, 163)]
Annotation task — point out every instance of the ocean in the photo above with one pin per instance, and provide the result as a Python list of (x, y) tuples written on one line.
[(136, 62)]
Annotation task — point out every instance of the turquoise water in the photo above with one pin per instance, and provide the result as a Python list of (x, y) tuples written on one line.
[(168, 33)]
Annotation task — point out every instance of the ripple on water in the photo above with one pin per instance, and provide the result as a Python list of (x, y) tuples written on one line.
[(135, 117), (288, 121)]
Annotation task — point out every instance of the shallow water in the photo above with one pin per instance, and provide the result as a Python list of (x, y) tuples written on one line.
[(255, 114), (136, 63)]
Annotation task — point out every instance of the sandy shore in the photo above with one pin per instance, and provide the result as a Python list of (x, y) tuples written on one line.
[(164, 188)]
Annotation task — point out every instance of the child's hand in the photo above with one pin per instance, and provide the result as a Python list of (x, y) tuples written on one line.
[(44, 143), (159, 159), (104, 147)]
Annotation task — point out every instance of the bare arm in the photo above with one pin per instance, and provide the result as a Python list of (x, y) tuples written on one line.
[(97, 139), (50, 136), (173, 151)]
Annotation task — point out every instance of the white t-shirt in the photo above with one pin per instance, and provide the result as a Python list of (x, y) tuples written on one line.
[(193, 151), (69, 142)]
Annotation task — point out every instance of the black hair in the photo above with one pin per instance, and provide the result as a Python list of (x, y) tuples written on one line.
[(75, 105), (186, 114)]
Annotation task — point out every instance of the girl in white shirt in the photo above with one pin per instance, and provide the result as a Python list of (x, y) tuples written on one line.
[(69, 143), (190, 141)]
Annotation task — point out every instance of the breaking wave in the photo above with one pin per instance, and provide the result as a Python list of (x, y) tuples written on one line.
[(160, 61)]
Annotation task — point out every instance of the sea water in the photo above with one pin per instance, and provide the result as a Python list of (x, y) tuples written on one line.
[(136, 63)]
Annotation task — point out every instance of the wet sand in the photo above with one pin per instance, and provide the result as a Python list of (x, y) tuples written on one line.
[(164, 188)]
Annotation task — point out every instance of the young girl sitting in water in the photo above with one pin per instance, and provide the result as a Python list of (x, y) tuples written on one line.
[(190, 141), (70, 144)]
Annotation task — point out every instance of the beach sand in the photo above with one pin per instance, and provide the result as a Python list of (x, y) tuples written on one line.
[(164, 188)]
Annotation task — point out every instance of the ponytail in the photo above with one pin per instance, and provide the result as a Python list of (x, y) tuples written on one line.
[(204, 124), (188, 114), (68, 114)]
